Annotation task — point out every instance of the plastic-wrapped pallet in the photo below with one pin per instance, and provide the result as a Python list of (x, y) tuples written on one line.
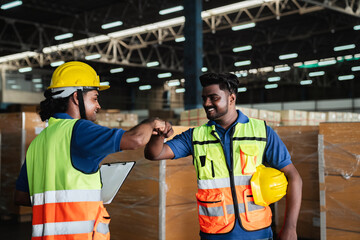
[(157, 200), (339, 178), (301, 141)]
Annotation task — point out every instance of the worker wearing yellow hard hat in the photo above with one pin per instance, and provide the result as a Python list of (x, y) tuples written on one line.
[(60, 178)]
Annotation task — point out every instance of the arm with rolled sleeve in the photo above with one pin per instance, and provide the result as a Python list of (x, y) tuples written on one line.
[(278, 157)]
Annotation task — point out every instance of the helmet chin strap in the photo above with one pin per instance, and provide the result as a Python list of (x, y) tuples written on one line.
[(81, 104)]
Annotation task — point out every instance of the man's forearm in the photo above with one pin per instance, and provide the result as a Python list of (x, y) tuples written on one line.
[(154, 147)]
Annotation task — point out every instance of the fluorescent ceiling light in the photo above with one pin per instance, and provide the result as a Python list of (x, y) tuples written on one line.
[(243, 48), (346, 77), (55, 64), (204, 69), (274, 79), (344, 47), (144, 87), (64, 36), (180, 39), (271, 86), (11, 5), (305, 82), (37, 80), (111, 25), (231, 8), (242, 89), (153, 64), (132, 80), (11, 81), (288, 56), (173, 83), (282, 69), (242, 63), (94, 56), (15, 87), (164, 75), (171, 10), (357, 27), (355, 69), (38, 85), (180, 90), (315, 74), (298, 64), (116, 70), (310, 62), (26, 69), (327, 63), (243, 26)]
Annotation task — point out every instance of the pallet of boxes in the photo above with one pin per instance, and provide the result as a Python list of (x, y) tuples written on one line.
[(113, 118), (157, 200), (339, 177), (17, 132)]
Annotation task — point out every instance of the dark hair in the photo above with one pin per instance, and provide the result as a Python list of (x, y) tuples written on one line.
[(50, 106), (226, 81)]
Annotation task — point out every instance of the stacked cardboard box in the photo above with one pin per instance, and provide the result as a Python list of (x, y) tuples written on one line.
[(301, 141), (17, 130), (157, 200), (315, 118), (250, 112), (272, 118), (293, 118), (193, 117), (339, 177), (114, 118)]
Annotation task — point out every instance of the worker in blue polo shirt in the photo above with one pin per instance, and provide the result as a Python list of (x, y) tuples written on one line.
[(60, 178), (227, 152)]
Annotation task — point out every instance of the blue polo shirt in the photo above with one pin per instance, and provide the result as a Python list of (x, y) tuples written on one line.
[(90, 144), (276, 155)]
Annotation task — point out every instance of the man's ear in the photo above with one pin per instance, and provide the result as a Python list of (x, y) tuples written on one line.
[(75, 98), (232, 98)]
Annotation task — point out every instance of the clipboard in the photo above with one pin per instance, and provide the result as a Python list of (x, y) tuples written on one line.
[(113, 176)]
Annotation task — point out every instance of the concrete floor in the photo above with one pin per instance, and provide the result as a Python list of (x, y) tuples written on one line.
[(15, 231)]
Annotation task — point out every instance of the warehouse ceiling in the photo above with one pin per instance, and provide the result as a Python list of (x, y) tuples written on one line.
[(309, 28)]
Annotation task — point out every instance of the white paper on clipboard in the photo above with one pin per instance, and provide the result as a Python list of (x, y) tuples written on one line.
[(113, 176)]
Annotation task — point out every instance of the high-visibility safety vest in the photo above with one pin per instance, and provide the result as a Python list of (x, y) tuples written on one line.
[(224, 193), (66, 203)]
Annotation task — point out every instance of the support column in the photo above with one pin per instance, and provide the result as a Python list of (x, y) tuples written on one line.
[(193, 50)]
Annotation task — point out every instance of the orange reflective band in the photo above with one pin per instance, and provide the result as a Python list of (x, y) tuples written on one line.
[(64, 212)]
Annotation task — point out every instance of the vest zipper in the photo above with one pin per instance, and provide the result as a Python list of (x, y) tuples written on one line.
[(232, 181)]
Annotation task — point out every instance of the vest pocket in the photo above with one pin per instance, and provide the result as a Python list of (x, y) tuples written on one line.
[(101, 228), (248, 157), (212, 211), (255, 214)]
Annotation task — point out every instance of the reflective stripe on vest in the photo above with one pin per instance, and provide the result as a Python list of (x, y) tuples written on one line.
[(60, 196), (223, 182), (102, 228), (62, 228), (217, 188)]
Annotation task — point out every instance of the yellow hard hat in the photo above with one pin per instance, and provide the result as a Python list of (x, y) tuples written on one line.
[(268, 185), (75, 74)]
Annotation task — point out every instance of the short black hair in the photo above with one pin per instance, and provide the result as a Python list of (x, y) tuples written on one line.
[(226, 81)]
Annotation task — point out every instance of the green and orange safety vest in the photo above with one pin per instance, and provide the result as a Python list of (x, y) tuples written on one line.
[(66, 203), (224, 193)]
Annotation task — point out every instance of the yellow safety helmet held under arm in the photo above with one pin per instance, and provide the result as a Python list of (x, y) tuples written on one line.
[(75, 74), (268, 185)]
